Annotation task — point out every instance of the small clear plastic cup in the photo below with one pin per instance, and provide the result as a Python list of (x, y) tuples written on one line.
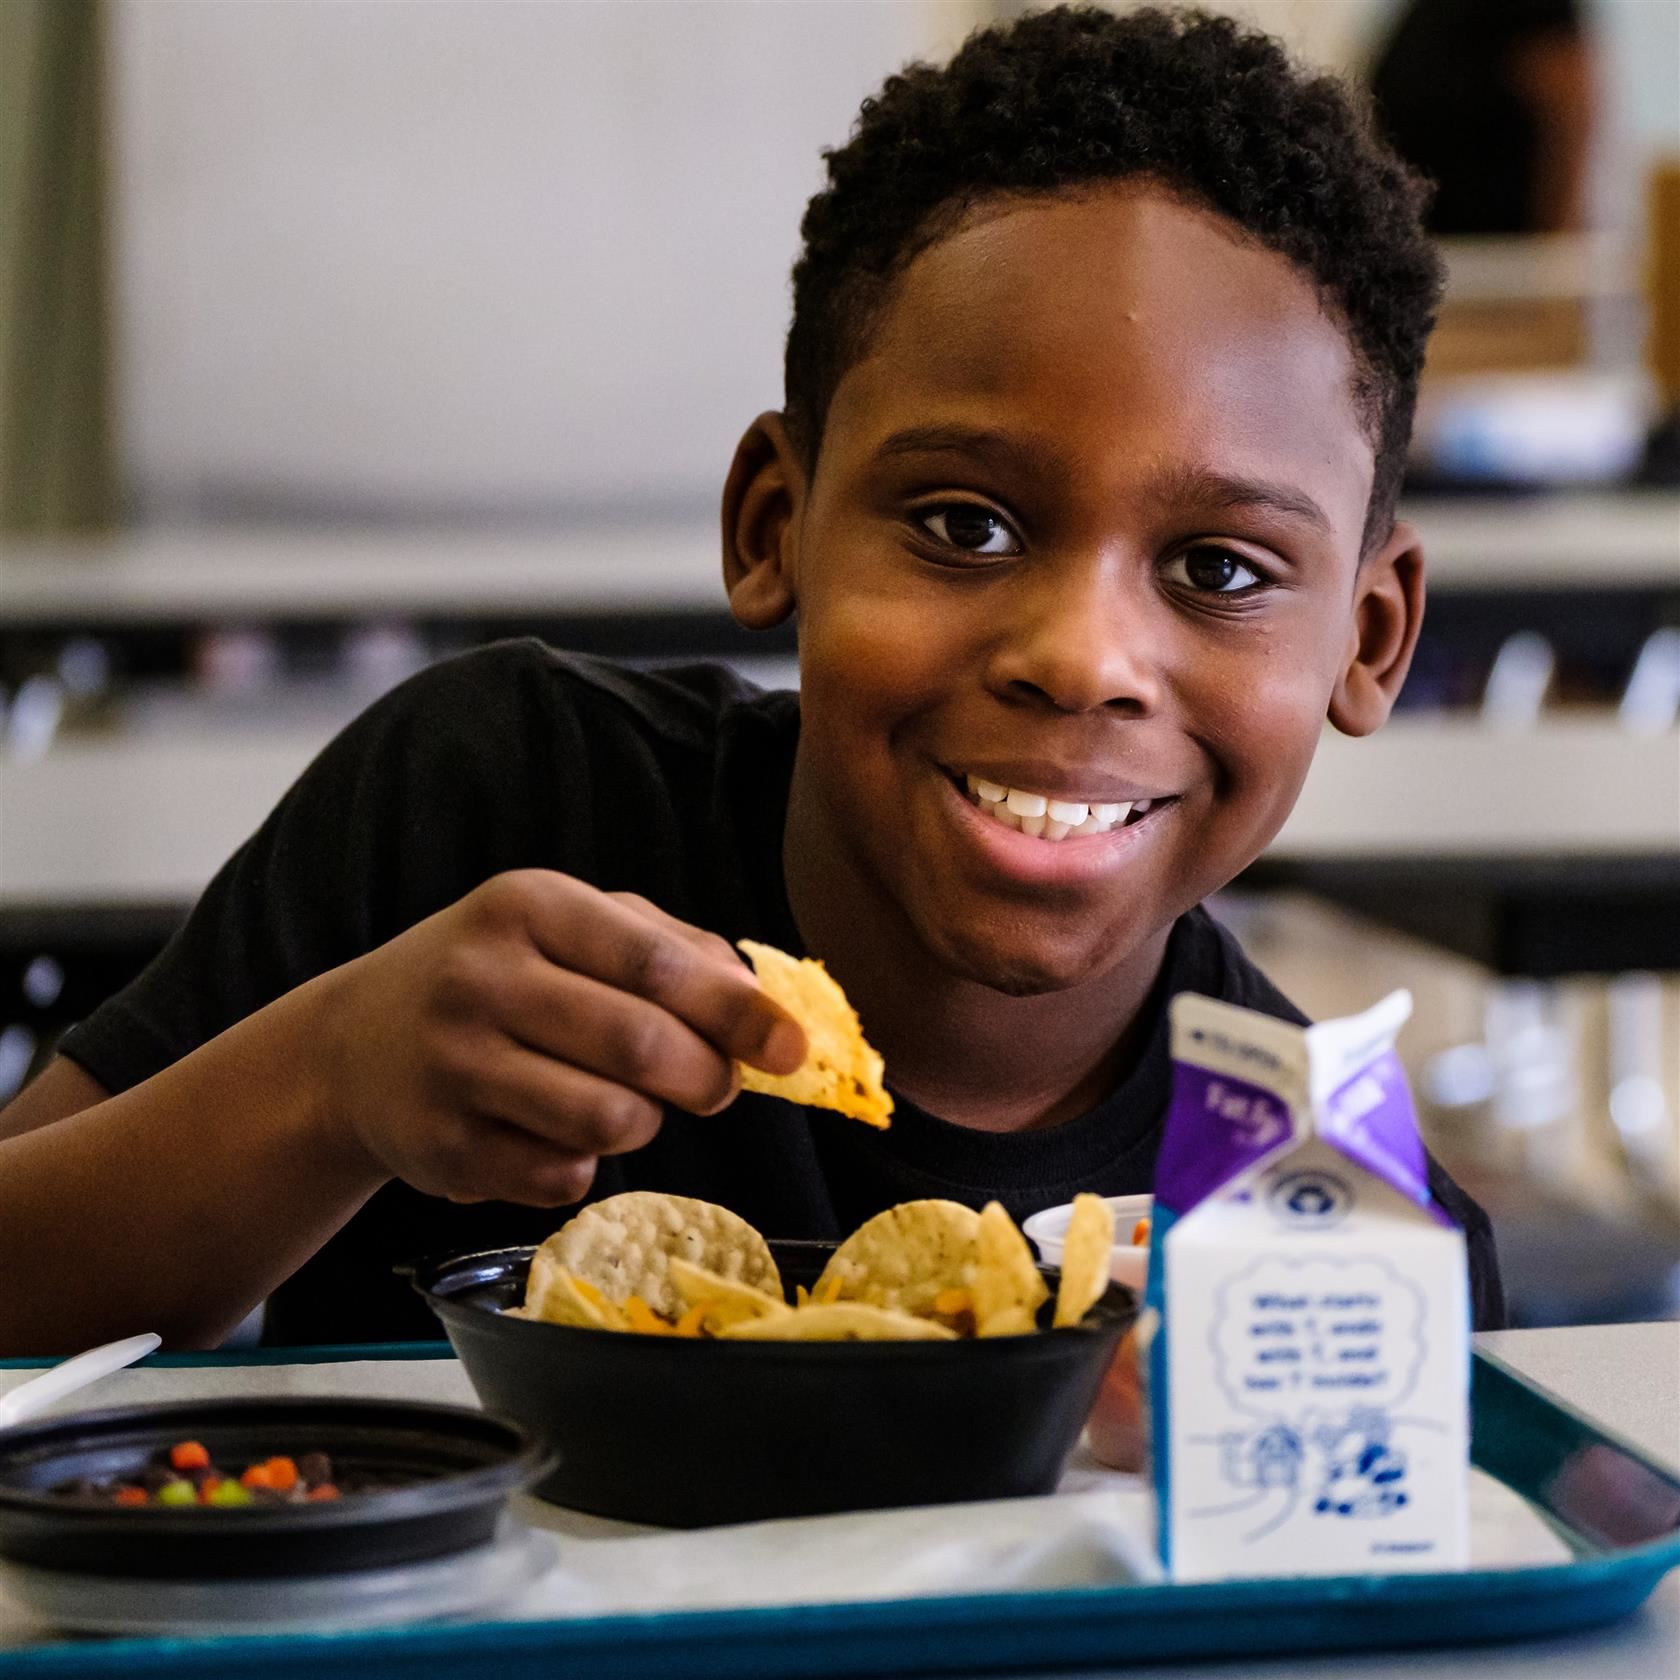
[(1128, 1263)]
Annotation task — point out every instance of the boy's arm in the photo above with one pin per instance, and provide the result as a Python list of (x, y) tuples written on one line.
[(177, 1205), (378, 985), (492, 1052), (60, 1090)]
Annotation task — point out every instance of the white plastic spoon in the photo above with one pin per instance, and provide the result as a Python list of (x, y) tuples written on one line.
[(39, 1392)]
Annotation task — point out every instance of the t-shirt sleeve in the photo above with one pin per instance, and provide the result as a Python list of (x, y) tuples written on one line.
[(422, 797)]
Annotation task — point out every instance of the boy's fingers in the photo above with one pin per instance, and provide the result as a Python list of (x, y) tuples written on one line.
[(510, 1165), (614, 1035), (788, 1052), (785, 1050), (564, 1108), (578, 928), (702, 939)]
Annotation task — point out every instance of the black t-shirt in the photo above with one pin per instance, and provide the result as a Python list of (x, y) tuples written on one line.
[(673, 785), (1447, 96)]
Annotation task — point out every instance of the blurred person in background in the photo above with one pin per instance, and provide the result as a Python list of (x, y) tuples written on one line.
[(1493, 100)]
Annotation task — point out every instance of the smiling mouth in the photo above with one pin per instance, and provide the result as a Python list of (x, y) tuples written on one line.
[(1044, 818)]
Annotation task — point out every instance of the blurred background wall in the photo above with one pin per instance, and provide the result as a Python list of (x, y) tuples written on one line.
[(585, 214), (337, 335), (529, 260)]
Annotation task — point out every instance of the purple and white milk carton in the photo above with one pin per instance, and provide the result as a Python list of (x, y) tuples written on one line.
[(1308, 1308)]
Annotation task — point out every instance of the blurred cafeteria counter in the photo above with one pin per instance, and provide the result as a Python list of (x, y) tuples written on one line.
[(135, 824), (1542, 542), (1549, 848)]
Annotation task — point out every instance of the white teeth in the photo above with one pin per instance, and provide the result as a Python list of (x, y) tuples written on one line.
[(1038, 815)]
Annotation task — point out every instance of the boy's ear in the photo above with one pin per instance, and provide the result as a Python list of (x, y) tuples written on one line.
[(762, 500), (1387, 615)]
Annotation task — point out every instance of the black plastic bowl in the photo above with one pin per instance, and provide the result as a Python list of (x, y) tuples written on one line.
[(464, 1464), (689, 1433)]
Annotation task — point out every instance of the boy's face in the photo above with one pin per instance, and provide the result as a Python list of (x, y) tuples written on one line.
[(1085, 524)]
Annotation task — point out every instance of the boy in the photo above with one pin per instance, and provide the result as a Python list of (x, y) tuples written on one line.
[(1104, 348)]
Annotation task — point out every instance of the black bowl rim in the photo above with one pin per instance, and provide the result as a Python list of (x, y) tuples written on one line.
[(1117, 1307), (526, 1461)]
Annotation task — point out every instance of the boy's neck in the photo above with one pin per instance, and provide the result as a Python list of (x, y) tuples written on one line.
[(958, 1049)]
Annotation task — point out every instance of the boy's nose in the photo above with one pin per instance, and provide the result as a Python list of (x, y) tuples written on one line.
[(1080, 639)]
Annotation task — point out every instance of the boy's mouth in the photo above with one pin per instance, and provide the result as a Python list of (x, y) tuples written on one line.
[(1046, 818)]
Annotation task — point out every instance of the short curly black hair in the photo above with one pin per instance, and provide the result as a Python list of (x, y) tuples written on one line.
[(1076, 96)]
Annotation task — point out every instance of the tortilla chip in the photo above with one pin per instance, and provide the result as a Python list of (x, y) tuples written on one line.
[(721, 1301), (612, 1314), (840, 1070), (624, 1246), (1010, 1321), (1085, 1250), (1007, 1286), (641, 1318), (692, 1322), (842, 1321), (552, 1295), (904, 1257), (954, 1308)]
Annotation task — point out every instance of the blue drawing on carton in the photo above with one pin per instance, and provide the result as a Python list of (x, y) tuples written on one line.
[(1291, 1338)]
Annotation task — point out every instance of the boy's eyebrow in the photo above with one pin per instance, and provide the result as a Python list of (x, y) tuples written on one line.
[(1224, 490), (1202, 485), (967, 440)]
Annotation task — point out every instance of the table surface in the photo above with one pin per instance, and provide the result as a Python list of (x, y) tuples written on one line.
[(1559, 541), (1626, 1377)]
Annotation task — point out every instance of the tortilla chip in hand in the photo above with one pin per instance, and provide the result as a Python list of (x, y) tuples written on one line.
[(840, 1070)]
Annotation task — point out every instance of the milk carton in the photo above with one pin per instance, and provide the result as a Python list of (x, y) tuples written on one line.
[(1308, 1362)]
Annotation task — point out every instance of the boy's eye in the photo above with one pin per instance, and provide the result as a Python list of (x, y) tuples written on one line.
[(1213, 571), (974, 529)]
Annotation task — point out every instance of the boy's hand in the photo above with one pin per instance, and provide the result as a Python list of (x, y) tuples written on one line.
[(497, 1049)]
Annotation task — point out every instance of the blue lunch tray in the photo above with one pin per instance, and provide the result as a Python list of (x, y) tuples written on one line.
[(1618, 1510)]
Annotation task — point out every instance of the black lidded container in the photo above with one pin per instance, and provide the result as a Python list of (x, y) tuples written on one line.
[(459, 1466), (687, 1433)]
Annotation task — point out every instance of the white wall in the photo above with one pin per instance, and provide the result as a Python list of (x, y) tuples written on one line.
[(529, 257), (482, 255)]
